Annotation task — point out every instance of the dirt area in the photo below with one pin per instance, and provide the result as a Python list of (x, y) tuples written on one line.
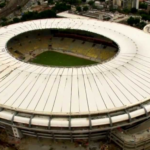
[(4, 144), (40, 8), (31, 143)]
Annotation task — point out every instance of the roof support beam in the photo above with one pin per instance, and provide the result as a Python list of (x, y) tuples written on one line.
[(31, 120), (12, 119), (129, 116), (90, 122), (146, 113), (89, 136), (1, 109), (49, 123), (53, 136), (70, 128), (69, 122), (110, 120)]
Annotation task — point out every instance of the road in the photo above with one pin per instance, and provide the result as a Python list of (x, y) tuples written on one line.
[(11, 7)]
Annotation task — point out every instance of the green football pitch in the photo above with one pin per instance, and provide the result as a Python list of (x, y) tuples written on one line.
[(52, 58)]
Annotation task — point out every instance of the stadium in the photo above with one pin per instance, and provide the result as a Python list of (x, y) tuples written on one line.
[(106, 86)]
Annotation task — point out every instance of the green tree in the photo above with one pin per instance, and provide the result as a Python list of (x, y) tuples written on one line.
[(136, 20), (2, 5), (126, 11), (145, 17), (59, 7), (73, 2), (130, 21), (50, 2), (142, 5), (31, 16), (91, 3), (78, 8), (78, 2), (85, 8), (16, 20), (36, 15), (39, 3), (141, 25), (133, 10), (46, 14), (133, 21), (141, 12), (3, 23), (4, 19)]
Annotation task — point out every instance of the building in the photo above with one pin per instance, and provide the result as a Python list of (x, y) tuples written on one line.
[(78, 102), (135, 4), (131, 4), (117, 3)]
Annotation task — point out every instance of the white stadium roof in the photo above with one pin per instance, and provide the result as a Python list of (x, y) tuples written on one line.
[(66, 14), (117, 84)]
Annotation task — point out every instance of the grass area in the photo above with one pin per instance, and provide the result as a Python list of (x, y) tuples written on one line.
[(59, 59)]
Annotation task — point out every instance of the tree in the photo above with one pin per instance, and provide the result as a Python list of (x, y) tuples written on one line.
[(145, 17), (39, 3), (36, 15), (91, 3), (3, 23), (83, 1), (59, 7), (133, 21), (126, 11), (78, 8), (85, 8), (141, 12), (46, 14), (31, 16), (4, 19), (133, 10), (16, 20), (141, 25), (130, 21), (50, 2), (136, 20), (142, 5), (73, 2), (78, 2), (2, 5)]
